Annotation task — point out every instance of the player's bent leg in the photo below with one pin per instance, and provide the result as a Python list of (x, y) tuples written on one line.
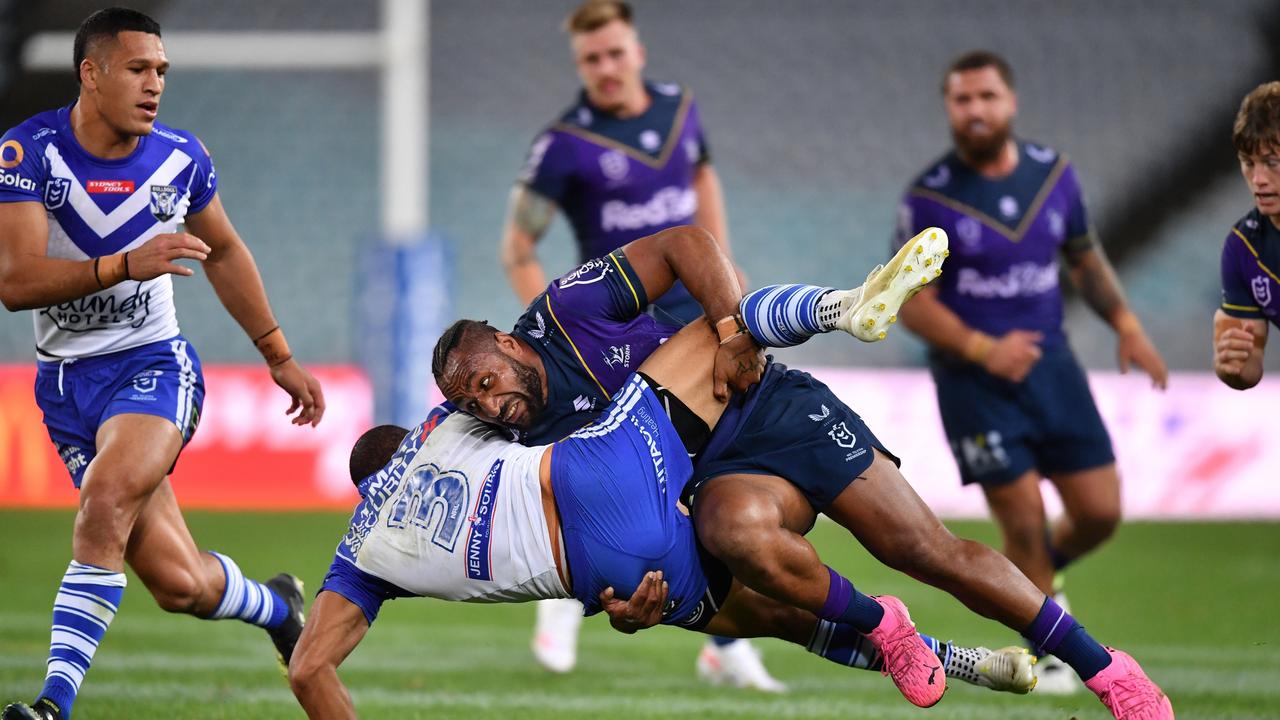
[(1018, 509), (208, 585), (1091, 501)]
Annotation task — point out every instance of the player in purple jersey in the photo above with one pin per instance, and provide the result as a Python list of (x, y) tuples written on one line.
[(1251, 253), (91, 198), (627, 159), (1014, 402), (783, 451)]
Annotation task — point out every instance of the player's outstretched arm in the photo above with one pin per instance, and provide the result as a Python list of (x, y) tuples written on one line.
[(29, 279), (1238, 345), (1098, 284), (335, 628), (234, 276), (528, 217)]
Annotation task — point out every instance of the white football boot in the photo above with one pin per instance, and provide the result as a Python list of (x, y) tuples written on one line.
[(555, 637), (866, 312), (1009, 669), (736, 665)]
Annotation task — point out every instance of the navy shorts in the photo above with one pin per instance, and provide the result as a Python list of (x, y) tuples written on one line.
[(616, 484), (77, 396), (998, 430), (792, 426)]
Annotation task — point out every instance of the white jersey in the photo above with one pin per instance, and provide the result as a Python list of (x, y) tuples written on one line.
[(98, 207), (457, 516)]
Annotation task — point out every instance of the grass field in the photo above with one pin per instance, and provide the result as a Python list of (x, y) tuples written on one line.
[(1194, 602)]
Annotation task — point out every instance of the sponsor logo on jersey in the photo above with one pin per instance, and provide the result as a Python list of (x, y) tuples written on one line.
[(1251, 224), (614, 165), (479, 556), (1009, 206), (1261, 290), (109, 187), (582, 402), (819, 417), (982, 453), (102, 310), (584, 116), (164, 202), (668, 89), (170, 136), (655, 452), (970, 233), (650, 140), (667, 206), (1021, 280), (617, 356), (17, 181), (11, 153), (539, 332), (1041, 154), (43, 132), (73, 457), (379, 488), (56, 191), (1057, 225), (592, 271), (938, 178)]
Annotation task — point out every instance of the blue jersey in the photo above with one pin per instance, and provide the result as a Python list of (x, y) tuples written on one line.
[(1005, 236), (1251, 269), (590, 329), (100, 207), (622, 179)]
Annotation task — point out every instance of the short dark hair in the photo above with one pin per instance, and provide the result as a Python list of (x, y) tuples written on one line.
[(108, 23), (458, 334), (374, 450), (976, 60), (1257, 123), (595, 14)]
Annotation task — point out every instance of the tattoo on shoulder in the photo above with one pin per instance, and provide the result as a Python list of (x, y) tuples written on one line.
[(532, 212)]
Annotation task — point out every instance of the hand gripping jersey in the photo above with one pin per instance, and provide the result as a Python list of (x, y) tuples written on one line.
[(1251, 269), (622, 179), (1005, 236), (456, 515), (100, 207)]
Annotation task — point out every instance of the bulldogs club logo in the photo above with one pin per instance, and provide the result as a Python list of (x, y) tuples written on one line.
[(164, 202)]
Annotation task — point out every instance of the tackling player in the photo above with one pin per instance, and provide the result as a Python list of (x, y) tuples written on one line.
[(91, 199), (1014, 402), (627, 159), (1251, 253)]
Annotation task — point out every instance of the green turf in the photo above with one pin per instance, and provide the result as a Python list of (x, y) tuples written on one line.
[(1194, 602)]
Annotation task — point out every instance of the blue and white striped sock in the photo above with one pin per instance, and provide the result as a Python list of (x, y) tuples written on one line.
[(787, 315), (841, 643), (248, 600), (87, 601)]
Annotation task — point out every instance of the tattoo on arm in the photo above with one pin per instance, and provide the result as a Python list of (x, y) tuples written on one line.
[(531, 212), (1096, 280)]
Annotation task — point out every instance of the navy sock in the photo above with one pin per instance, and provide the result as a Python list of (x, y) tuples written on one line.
[(1056, 556), (1055, 631), (722, 641), (846, 605)]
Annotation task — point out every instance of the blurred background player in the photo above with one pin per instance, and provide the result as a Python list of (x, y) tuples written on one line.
[(626, 160), (1015, 404), (91, 200), (1251, 253)]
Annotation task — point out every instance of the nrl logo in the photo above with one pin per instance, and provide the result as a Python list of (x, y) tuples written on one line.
[(55, 192), (842, 435)]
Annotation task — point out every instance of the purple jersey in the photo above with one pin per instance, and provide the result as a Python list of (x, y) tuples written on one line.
[(1005, 235), (622, 179), (591, 332), (1251, 269)]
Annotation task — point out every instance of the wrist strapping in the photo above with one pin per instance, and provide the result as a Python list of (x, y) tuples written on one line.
[(978, 347), (273, 346), (111, 270)]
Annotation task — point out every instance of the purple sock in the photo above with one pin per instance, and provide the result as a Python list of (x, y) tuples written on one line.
[(846, 605), (1055, 631)]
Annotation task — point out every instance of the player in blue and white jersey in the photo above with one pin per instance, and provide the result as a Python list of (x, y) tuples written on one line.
[(92, 197), (1014, 402), (627, 159), (456, 510), (1251, 252)]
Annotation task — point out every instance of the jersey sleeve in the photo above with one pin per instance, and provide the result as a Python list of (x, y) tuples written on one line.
[(204, 182), (549, 166), (365, 591), (22, 170), (1078, 233), (604, 287), (699, 134), (1237, 298)]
